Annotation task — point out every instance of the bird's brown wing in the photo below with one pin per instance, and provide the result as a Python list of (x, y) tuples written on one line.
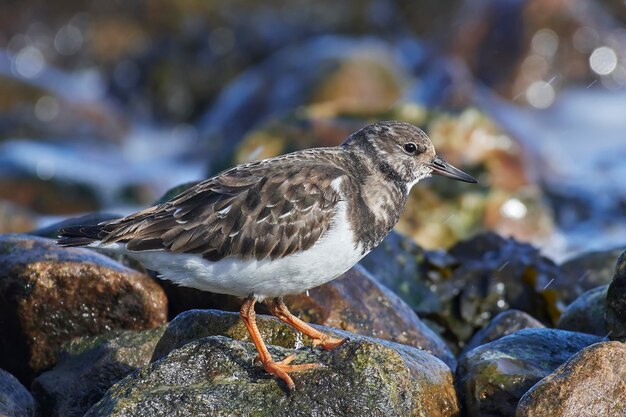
[(253, 211)]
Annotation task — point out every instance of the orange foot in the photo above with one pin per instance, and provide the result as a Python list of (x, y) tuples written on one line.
[(282, 369)]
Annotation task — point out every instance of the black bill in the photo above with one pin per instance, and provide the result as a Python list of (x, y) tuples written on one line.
[(441, 167)]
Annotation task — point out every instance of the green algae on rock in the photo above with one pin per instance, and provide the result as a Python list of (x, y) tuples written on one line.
[(215, 376), (89, 366)]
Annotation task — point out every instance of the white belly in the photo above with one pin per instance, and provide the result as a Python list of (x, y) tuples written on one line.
[(330, 257)]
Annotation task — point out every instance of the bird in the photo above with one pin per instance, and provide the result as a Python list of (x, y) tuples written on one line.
[(266, 229)]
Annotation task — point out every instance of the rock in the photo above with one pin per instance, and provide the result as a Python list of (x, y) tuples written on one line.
[(587, 313), (592, 383), (15, 400), (354, 302), (49, 294), (616, 302), (459, 292), (22, 186), (401, 265), (503, 324), (15, 219), (215, 376), (590, 269), (195, 324), (493, 377), (89, 366), (495, 274)]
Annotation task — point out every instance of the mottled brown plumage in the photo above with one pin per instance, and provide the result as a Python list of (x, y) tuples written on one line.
[(243, 212), (278, 226)]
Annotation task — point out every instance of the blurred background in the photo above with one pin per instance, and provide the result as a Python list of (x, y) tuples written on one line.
[(104, 106)]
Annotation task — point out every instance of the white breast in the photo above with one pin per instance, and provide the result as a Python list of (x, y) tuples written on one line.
[(332, 255)]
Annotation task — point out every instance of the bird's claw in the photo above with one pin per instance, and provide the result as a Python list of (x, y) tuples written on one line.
[(281, 369), (329, 343)]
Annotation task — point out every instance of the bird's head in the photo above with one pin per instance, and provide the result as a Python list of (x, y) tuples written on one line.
[(403, 152)]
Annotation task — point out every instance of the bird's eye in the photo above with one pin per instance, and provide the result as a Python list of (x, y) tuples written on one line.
[(410, 148)]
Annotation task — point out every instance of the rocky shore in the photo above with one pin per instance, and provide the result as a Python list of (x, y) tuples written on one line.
[(109, 349)]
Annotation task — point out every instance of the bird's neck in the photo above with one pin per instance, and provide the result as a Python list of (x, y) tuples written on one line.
[(377, 203)]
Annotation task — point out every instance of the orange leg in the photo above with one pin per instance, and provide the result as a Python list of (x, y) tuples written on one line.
[(280, 310), (280, 369)]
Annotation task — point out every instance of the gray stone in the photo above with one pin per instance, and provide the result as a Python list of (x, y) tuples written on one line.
[(493, 377), (89, 366), (15, 400), (503, 324), (590, 270), (587, 313)]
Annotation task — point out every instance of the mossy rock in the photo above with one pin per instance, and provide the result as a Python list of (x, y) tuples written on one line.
[(216, 376)]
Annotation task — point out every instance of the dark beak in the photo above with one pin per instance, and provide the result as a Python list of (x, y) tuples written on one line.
[(441, 167)]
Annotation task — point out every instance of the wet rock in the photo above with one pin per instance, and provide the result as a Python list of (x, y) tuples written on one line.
[(354, 302), (616, 302), (89, 366), (54, 110), (591, 383), (495, 274), (48, 295), (459, 292), (401, 265), (195, 324), (220, 379), (493, 377), (503, 324), (47, 196), (587, 313), (15, 400), (15, 219), (591, 269)]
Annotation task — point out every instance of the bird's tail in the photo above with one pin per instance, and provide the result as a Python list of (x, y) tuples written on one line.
[(79, 235)]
